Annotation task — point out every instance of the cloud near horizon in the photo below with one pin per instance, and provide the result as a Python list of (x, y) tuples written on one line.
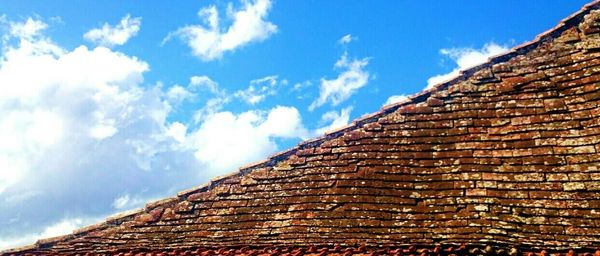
[(395, 98), (86, 121), (336, 120), (82, 122), (465, 58)]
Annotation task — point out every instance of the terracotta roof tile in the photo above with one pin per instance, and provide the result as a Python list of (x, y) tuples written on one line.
[(356, 250)]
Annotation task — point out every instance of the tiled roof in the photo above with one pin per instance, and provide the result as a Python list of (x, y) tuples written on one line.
[(503, 158), (356, 250)]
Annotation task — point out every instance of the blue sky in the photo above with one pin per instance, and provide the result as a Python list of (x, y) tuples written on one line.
[(105, 105)]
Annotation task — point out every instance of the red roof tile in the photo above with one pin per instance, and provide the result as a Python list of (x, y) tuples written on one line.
[(338, 250)]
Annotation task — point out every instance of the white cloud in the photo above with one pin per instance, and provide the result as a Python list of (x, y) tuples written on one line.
[(72, 122), (121, 201), (302, 85), (26, 32), (178, 93), (85, 121), (395, 98), (197, 82), (466, 58), (336, 120), (211, 107), (81, 90), (210, 41), (248, 136), (219, 97), (346, 39), (127, 201), (119, 34), (300, 89), (28, 29), (63, 227), (104, 129), (258, 90), (352, 78), (283, 122), (177, 131)]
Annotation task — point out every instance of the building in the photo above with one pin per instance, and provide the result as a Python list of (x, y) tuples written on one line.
[(502, 160)]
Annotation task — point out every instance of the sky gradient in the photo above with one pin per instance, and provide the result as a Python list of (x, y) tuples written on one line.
[(105, 105)]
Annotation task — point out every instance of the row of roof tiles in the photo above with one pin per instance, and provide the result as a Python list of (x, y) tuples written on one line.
[(410, 250)]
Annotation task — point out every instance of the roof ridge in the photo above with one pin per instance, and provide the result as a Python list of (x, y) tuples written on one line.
[(118, 218)]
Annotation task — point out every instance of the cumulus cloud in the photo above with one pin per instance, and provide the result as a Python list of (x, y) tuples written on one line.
[(109, 35), (209, 41), (216, 134), (248, 136), (466, 58), (34, 119), (177, 131), (28, 29), (258, 90), (352, 78), (76, 121), (72, 122), (336, 120), (395, 98)]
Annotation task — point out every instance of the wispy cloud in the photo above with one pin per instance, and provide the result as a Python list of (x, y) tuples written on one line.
[(353, 76), (209, 41), (127, 201), (177, 94), (346, 39), (259, 89), (199, 82), (109, 35)]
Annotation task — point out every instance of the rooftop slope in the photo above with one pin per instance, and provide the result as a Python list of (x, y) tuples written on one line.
[(506, 155)]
